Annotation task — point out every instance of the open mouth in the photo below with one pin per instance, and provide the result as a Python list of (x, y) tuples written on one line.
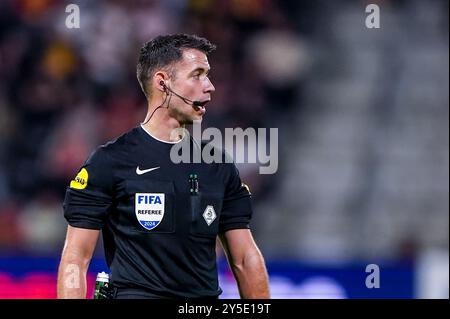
[(200, 103), (199, 106)]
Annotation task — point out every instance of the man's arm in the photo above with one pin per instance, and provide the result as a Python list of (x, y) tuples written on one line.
[(77, 253), (247, 263)]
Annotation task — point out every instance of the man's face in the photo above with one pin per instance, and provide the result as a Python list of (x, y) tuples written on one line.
[(191, 81)]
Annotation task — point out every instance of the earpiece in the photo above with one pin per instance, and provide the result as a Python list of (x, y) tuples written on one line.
[(162, 84)]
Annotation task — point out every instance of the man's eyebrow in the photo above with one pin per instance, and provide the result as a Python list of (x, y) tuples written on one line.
[(201, 70)]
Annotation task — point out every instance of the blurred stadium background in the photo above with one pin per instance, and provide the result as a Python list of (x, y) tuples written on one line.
[(363, 118)]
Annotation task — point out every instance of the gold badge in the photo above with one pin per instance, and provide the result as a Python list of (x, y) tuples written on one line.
[(80, 181)]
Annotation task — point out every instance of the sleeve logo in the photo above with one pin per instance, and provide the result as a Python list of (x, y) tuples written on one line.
[(80, 181)]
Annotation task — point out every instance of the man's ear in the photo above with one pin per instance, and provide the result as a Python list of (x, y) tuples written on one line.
[(160, 81)]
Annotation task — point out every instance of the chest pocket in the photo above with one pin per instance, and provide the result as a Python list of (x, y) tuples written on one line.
[(205, 213), (152, 204)]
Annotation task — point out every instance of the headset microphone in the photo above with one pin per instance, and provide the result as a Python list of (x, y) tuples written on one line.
[(195, 104)]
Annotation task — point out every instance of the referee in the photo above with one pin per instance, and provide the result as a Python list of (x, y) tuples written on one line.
[(160, 220)]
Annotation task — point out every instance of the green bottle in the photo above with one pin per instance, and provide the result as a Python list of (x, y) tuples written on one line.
[(101, 281)]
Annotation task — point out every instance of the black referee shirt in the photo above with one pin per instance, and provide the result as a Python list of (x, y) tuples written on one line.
[(159, 233)]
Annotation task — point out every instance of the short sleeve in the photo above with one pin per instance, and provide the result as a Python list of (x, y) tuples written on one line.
[(89, 195), (236, 209)]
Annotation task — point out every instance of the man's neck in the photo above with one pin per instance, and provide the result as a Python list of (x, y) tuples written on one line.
[(162, 126)]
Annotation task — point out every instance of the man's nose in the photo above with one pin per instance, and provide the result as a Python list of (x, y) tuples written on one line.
[(209, 88)]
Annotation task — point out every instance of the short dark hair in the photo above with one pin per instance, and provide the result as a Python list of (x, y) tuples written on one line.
[(163, 50)]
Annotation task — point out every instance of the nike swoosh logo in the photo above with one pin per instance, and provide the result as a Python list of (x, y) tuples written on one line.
[(143, 171)]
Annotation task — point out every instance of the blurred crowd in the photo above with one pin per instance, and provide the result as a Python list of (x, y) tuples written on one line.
[(65, 91), (362, 114)]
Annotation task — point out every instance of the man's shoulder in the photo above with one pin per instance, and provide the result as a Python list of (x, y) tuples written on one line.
[(116, 147), (124, 140)]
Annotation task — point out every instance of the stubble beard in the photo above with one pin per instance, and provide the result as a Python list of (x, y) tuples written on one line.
[(183, 117)]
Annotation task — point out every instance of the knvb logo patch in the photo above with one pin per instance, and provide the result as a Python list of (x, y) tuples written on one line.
[(209, 214), (149, 209)]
